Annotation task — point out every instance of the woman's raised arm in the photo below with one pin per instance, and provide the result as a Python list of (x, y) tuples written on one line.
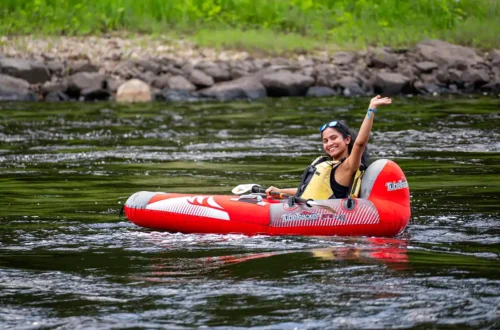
[(354, 159)]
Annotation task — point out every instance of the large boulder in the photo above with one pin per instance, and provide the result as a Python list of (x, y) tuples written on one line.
[(426, 66), (380, 58), (56, 96), (494, 57), (56, 67), (34, 72), (344, 58), (54, 86), (81, 66), (218, 71), (242, 88), (320, 91), (475, 78), (134, 90), (388, 83), (85, 81), (286, 83), (180, 83), (444, 53), (326, 74), (349, 86), (127, 70), (15, 89), (149, 64), (200, 78)]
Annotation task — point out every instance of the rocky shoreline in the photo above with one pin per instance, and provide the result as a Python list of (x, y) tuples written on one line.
[(146, 69)]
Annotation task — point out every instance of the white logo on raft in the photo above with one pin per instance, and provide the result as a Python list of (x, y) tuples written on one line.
[(401, 184), (312, 217), (200, 206), (300, 216)]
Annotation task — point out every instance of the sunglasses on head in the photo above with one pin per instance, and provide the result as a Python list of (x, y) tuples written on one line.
[(331, 124)]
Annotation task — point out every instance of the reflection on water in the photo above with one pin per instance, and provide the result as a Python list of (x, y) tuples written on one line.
[(67, 260)]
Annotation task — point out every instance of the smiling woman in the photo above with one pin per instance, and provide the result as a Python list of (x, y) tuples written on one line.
[(337, 175)]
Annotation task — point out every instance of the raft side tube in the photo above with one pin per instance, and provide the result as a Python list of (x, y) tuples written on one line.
[(385, 180), (139, 199)]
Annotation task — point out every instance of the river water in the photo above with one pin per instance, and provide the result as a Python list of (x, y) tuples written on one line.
[(67, 261)]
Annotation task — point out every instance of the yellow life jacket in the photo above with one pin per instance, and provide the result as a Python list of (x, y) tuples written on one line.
[(315, 182)]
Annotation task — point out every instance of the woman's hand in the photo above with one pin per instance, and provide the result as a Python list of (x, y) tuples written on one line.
[(378, 100), (270, 189)]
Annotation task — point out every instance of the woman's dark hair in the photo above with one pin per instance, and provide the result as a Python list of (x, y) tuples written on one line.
[(347, 131)]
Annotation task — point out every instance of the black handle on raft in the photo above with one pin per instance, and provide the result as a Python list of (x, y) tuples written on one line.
[(292, 200), (258, 190)]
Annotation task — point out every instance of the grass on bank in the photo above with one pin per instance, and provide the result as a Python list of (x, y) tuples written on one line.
[(269, 25)]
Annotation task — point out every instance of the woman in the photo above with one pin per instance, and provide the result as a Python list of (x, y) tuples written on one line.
[(335, 175)]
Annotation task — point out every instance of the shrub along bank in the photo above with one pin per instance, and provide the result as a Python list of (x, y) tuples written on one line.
[(296, 25)]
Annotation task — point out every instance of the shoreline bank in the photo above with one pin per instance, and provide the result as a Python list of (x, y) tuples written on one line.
[(147, 69)]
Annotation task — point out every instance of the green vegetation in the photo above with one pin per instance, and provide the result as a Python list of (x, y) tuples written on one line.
[(265, 24)]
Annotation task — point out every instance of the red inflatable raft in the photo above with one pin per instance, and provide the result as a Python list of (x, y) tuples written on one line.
[(383, 209)]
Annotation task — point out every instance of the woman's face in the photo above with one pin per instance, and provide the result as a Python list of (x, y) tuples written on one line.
[(334, 143)]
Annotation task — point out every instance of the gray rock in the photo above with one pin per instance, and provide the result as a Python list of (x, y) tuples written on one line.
[(56, 96), (475, 78), (243, 66), (426, 88), (344, 58), (147, 77), (161, 82), (443, 76), (242, 88), (84, 80), (56, 67), (381, 58), (426, 66), (173, 70), (326, 74), (173, 95), (493, 86), (455, 77), (306, 62), (15, 89), (81, 66), (388, 83), (113, 84), (218, 72), (320, 91), (180, 83), (34, 72), (444, 53), (308, 71), (349, 86), (148, 64), (494, 57), (238, 73), (286, 83), (54, 86), (200, 78), (127, 70)]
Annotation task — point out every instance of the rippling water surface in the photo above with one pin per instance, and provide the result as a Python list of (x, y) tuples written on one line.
[(68, 261)]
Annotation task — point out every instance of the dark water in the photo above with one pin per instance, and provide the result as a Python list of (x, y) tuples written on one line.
[(68, 262)]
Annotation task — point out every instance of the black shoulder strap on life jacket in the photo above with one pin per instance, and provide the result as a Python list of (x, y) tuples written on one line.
[(308, 173)]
